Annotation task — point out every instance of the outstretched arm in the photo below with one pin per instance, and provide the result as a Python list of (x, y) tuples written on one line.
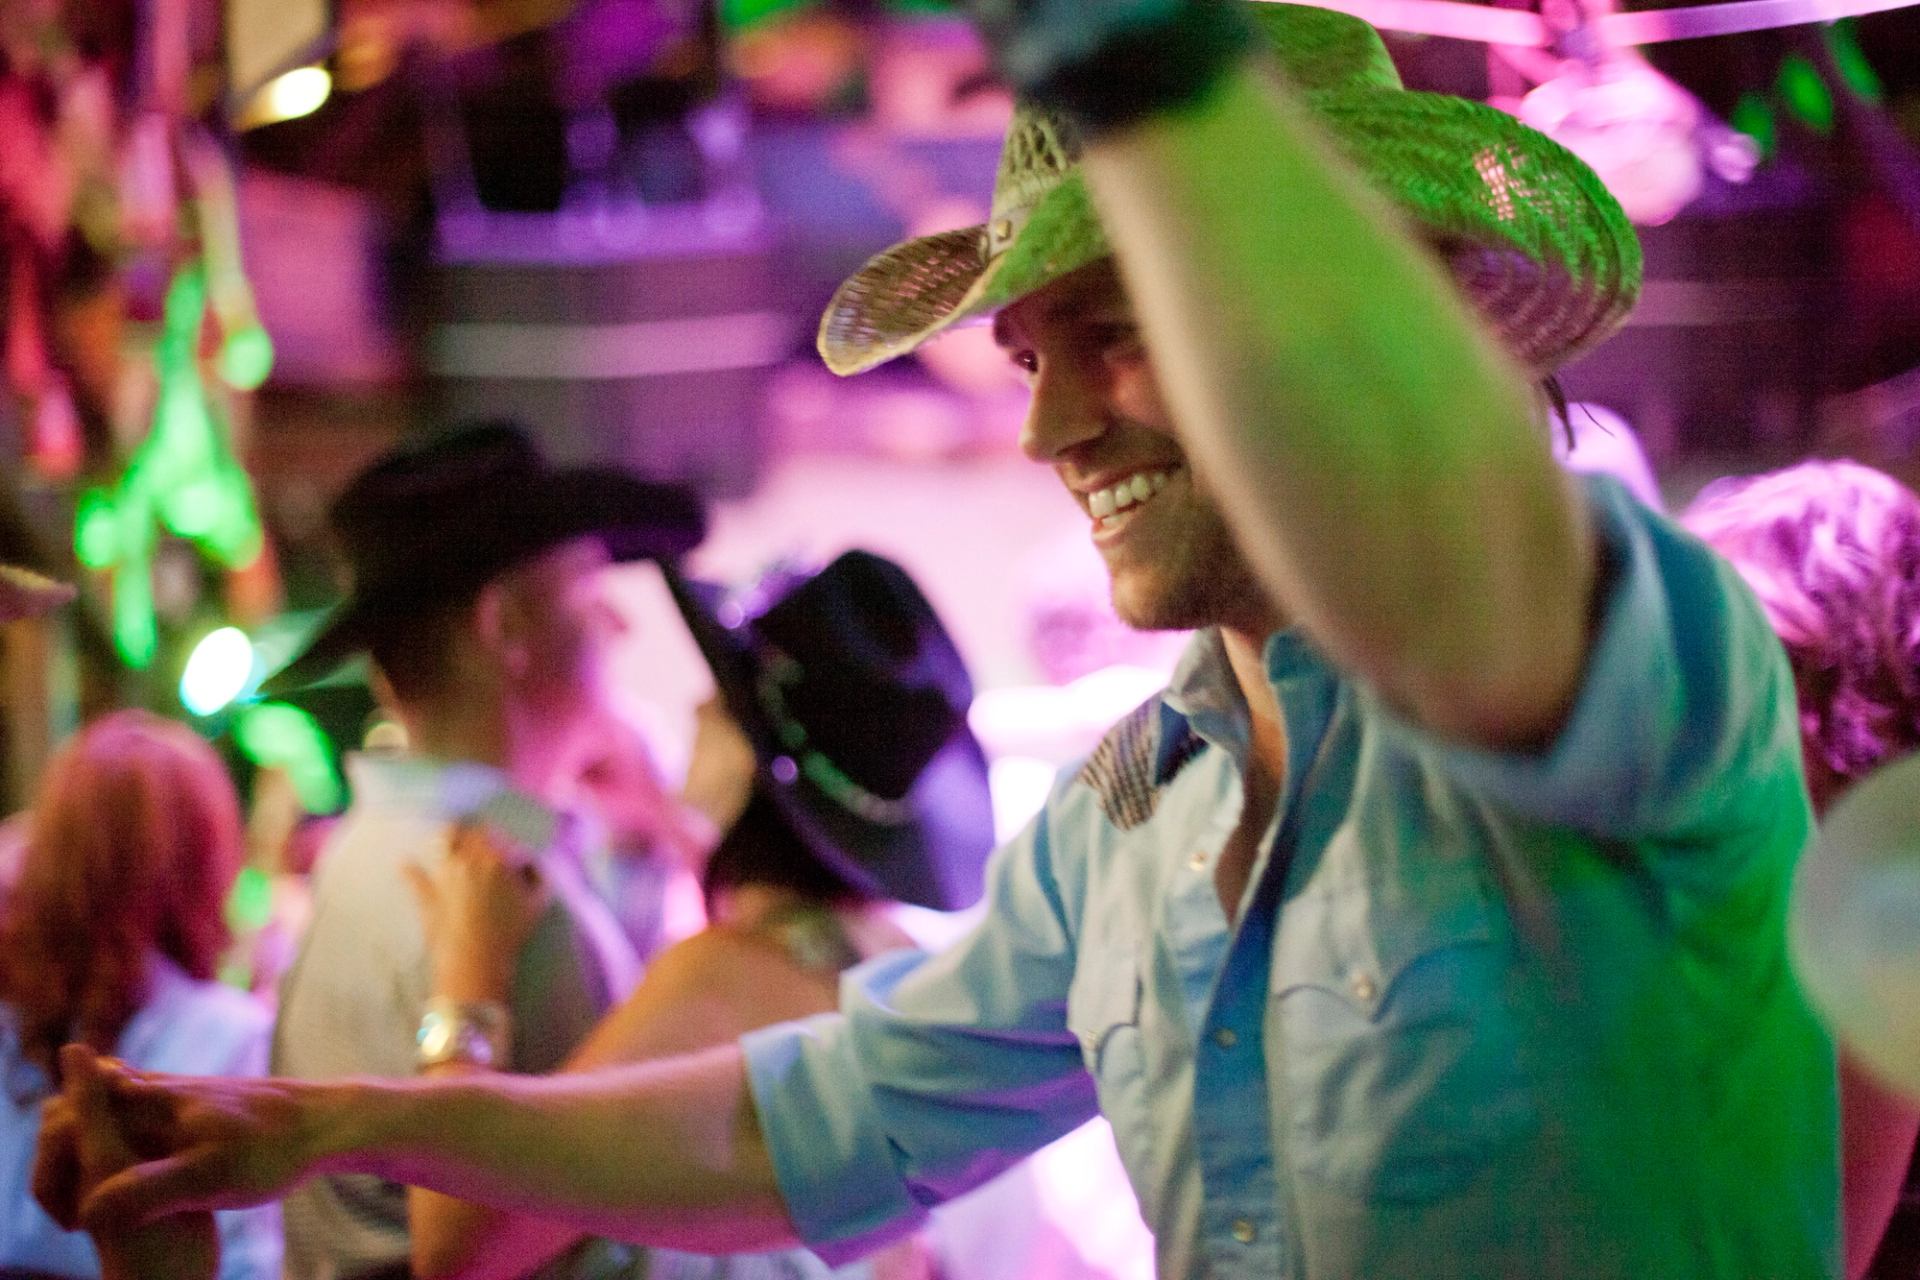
[(669, 1153), (477, 906)]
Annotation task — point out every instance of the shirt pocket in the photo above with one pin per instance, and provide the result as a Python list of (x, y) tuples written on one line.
[(1103, 1013), (1399, 1045)]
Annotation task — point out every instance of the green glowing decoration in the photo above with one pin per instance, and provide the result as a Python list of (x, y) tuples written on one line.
[(744, 13), (96, 534), (1856, 72), (276, 735), (1806, 94), (246, 358), (183, 477), (1753, 116), (250, 904)]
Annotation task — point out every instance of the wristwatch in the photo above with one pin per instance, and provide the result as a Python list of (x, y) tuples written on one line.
[(475, 1032)]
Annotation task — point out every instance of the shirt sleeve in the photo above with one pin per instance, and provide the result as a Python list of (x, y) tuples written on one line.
[(938, 1073), (1685, 720)]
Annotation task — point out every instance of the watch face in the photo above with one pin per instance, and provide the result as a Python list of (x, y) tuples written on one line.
[(436, 1037)]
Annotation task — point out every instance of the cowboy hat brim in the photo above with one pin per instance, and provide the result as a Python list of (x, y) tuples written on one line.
[(1529, 232), (932, 856), (636, 519)]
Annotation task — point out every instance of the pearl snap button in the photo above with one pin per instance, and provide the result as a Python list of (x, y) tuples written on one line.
[(1244, 1231), (1225, 1038), (1198, 860), (1364, 987)]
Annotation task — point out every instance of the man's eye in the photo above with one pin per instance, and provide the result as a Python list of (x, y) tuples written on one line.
[(1117, 341), (1026, 361)]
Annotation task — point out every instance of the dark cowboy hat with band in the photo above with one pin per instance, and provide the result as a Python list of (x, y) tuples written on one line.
[(855, 701), (1531, 235), (434, 521)]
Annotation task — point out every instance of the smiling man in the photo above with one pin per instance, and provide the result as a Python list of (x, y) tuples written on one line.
[(1429, 923)]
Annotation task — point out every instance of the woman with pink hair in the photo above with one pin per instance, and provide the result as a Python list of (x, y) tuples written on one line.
[(1832, 549), (110, 937)]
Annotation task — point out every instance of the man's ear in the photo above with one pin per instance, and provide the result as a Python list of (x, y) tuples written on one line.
[(383, 690), (493, 627)]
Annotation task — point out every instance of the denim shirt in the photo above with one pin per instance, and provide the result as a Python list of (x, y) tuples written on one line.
[(1480, 1014)]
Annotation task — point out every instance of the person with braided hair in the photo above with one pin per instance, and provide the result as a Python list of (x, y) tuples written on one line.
[(1428, 924)]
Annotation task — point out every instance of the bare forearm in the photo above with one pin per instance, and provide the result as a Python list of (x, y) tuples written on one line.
[(664, 1153), (1377, 454)]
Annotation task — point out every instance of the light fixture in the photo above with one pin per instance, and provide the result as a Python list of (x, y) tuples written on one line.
[(288, 96), (218, 670)]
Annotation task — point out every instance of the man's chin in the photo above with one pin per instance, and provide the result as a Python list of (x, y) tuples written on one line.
[(1153, 608)]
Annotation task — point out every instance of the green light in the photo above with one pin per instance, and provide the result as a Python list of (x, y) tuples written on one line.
[(136, 632), (1858, 74), (183, 477), (744, 13), (1807, 97), (277, 735), (1753, 116), (193, 509), (250, 904), (246, 358), (96, 540)]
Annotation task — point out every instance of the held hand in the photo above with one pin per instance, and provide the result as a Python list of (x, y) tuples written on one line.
[(1105, 64), (182, 1247), (478, 906), (201, 1143)]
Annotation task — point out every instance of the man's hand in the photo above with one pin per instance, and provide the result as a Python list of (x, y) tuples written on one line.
[(1106, 64), (200, 1143), (478, 905), (185, 1246)]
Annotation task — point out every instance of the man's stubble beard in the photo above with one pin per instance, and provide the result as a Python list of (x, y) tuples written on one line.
[(1206, 582)]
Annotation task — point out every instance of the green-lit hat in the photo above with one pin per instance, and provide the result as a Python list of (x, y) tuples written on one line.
[(1531, 234)]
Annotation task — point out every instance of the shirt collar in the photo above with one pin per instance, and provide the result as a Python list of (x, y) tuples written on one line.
[(456, 790), (1203, 702)]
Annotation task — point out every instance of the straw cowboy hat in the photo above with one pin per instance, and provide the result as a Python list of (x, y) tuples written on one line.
[(1528, 230)]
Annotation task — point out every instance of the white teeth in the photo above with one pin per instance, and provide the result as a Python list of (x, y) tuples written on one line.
[(1135, 489)]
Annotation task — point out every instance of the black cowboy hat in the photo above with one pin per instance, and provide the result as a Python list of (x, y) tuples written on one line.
[(855, 700), (435, 520)]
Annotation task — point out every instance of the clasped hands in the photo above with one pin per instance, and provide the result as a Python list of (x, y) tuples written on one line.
[(140, 1159)]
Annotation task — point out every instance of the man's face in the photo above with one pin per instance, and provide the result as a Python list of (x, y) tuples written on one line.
[(559, 624), (1098, 419)]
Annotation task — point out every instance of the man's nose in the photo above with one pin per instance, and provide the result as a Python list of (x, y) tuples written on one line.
[(1066, 409)]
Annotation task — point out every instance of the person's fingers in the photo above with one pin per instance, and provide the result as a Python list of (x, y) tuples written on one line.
[(56, 1164), (141, 1193), (82, 1078), (424, 891), (76, 1061)]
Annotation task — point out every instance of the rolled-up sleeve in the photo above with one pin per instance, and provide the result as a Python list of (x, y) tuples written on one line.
[(938, 1072), (1685, 711)]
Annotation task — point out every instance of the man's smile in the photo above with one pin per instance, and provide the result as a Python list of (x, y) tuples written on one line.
[(1111, 499)]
